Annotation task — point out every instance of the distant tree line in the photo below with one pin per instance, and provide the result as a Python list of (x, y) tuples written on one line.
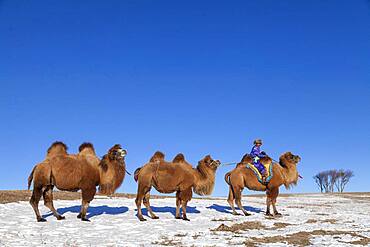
[(328, 181)]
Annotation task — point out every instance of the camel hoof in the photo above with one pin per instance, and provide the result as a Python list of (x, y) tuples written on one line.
[(235, 213), (60, 217), (79, 216), (155, 217), (178, 217), (142, 219), (186, 219), (85, 219), (247, 214), (41, 220), (269, 215)]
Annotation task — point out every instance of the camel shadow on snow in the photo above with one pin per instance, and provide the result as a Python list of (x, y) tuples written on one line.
[(92, 211), (172, 210), (227, 209)]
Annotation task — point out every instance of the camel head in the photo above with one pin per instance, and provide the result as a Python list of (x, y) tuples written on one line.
[(205, 175), (208, 162), (289, 161), (112, 169), (116, 153), (57, 148)]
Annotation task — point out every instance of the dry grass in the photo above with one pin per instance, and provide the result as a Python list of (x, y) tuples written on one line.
[(331, 221), (279, 225), (303, 238), (165, 241), (248, 225), (222, 219)]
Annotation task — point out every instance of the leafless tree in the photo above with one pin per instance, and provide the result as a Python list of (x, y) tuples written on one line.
[(328, 180), (333, 176), (319, 179), (343, 179)]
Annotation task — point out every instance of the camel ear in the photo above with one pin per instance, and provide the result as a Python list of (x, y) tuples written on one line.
[(208, 158), (179, 158)]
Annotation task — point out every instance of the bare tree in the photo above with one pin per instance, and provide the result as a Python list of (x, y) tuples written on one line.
[(333, 176), (328, 180), (326, 183), (343, 179), (319, 179)]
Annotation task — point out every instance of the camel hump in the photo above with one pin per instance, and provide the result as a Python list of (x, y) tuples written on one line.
[(179, 158), (59, 146), (246, 158), (86, 145), (158, 156)]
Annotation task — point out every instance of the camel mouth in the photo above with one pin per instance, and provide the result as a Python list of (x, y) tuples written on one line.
[(119, 154), (122, 152), (297, 159)]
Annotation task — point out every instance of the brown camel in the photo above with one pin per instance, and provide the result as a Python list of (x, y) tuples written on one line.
[(176, 176), (75, 172), (284, 173)]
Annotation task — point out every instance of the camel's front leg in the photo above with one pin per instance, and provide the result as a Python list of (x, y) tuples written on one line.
[(185, 196), (274, 195), (268, 203), (178, 205)]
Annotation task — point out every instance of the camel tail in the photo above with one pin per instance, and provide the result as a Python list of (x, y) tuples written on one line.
[(30, 178), (227, 178), (136, 174)]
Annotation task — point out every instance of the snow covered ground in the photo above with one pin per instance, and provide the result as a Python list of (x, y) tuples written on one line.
[(321, 220)]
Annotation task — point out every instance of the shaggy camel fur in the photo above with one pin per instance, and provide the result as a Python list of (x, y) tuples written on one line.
[(285, 173), (73, 173), (176, 176)]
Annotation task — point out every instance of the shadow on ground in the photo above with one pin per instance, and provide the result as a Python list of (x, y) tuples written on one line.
[(92, 211), (227, 209), (172, 210)]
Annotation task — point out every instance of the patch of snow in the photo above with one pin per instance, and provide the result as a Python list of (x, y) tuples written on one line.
[(114, 222)]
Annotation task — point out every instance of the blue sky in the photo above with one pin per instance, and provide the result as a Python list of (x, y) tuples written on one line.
[(198, 77)]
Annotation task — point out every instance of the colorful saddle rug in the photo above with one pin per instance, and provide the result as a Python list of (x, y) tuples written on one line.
[(268, 168)]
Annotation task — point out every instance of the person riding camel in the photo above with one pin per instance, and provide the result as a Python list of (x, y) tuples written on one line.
[(256, 154)]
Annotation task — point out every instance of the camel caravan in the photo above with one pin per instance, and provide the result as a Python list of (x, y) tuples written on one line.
[(85, 171)]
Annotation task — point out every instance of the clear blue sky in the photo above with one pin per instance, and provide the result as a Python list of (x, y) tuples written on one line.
[(198, 77)]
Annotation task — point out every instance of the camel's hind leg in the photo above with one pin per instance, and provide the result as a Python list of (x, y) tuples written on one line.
[(34, 201), (141, 191), (48, 201), (238, 200), (230, 200), (147, 205)]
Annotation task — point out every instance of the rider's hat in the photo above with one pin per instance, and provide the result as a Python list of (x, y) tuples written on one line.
[(257, 141)]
